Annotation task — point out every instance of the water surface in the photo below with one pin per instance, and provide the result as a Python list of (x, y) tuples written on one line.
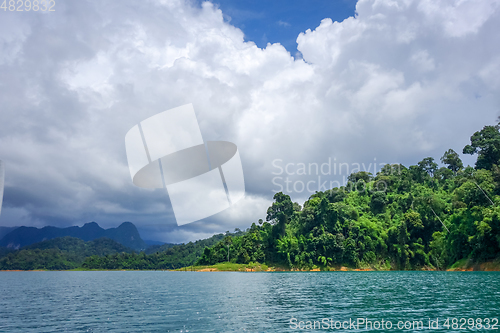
[(149, 301)]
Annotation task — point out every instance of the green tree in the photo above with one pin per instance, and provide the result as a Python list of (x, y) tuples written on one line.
[(486, 144), (361, 175), (280, 211), (452, 160), (428, 165), (378, 202)]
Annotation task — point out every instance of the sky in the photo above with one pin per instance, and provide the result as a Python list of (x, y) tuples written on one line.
[(386, 82), (281, 21)]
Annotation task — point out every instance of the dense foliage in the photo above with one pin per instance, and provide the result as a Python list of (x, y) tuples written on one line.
[(58, 254), (391, 220), (163, 257)]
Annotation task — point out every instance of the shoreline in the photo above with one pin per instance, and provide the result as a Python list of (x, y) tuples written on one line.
[(463, 265), (215, 270)]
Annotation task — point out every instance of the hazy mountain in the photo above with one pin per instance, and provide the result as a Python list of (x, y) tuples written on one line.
[(126, 234), (5, 230)]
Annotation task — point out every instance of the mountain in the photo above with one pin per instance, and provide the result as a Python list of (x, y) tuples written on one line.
[(126, 234), (5, 230)]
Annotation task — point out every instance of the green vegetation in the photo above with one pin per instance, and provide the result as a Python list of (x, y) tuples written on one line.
[(393, 220), (227, 267), (421, 217), (163, 257), (59, 254), (71, 253)]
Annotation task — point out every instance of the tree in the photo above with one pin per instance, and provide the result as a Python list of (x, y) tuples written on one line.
[(443, 174), (428, 165), (378, 202), (228, 241), (280, 211), (486, 144), (452, 160), (361, 175)]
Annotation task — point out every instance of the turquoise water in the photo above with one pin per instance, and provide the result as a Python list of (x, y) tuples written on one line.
[(236, 302)]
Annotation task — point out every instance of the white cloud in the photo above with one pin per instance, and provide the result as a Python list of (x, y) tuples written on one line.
[(284, 24), (459, 17), (400, 81)]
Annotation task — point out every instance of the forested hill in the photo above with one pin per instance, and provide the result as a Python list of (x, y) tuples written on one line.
[(402, 218), (103, 253), (195, 248), (159, 257), (59, 253), (125, 234)]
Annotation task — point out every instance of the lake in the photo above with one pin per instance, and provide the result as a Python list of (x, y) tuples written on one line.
[(148, 301)]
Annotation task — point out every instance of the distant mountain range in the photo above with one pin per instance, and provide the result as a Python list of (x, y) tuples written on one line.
[(5, 230), (63, 253), (18, 237)]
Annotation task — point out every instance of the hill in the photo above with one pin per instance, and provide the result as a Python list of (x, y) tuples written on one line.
[(5, 230), (162, 257), (193, 246), (420, 217), (126, 234), (59, 253), (103, 253)]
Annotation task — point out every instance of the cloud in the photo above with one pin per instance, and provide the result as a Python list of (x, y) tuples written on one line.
[(283, 24), (400, 81)]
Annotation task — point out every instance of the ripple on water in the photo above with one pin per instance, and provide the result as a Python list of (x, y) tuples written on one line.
[(225, 302)]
